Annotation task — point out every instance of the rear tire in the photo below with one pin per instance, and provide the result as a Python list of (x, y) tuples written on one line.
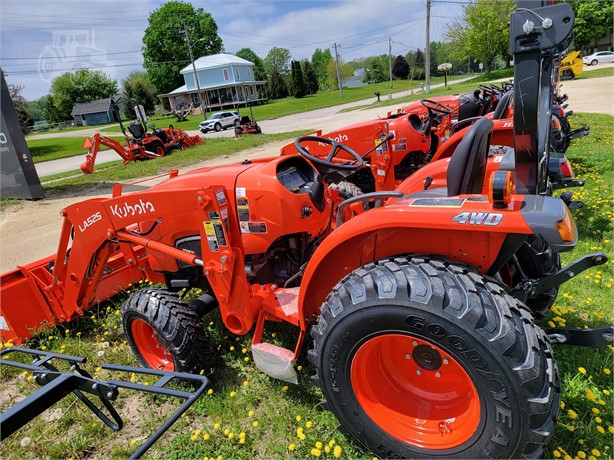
[(164, 333), (386, 331)]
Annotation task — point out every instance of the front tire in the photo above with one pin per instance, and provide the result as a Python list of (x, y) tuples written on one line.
[(594, 62), (218, 127), (164, 333), (420, 358)]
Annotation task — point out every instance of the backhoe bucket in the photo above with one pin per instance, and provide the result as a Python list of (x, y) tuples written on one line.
[(88, 166)]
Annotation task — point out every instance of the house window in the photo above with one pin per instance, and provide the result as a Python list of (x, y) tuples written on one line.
[(225, 74), (249, 74)]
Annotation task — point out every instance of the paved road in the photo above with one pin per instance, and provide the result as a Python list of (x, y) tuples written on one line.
[(326, 119)]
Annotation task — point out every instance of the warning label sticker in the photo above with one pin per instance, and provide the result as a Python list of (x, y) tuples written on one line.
[(243, 209), (221, 197), (214, 230), (438, 202), (253, 227)]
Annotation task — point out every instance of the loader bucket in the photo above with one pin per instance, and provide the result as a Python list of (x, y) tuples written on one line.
[(88, 166)]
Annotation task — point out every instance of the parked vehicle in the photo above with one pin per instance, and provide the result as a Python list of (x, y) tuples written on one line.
[(219, 121), (599, 57)]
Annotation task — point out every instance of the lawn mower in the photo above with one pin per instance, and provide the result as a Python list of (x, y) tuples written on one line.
[(419, 346), (140, 145), (248, 124)]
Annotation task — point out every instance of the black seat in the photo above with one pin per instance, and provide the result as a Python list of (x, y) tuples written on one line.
[(502, 106), (468, 163), (467, 166), (136, 130), (245, 120)]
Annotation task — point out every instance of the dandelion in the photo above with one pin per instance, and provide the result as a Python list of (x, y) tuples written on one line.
[(209, 391), (255, 423), (231, 435), (598, 419), (582, 370), (244, 350), (595, 452), (233, 394), (611, 429), (562, 405), (232, 348), (206, 436), (581, 454), (331, 443), (570, 428), (241, 440), (318, 445), (132, 442), (316, 452), (606, 392), (595, 410), (299, 430), (291, 446), (284, 388), (337, 451), (226, 431), (246, 359), (133, 377), (216, 426), (309, 424), (245, 383), (300, 368), (590, 395), (250, 413), (556, 453), (600, 429), (601, 402), (242, 434)]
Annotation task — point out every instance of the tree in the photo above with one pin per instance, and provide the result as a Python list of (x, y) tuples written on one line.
[(482, 31), (400, 68), (416, 60), (299, 86), (320, 60), (311, 79), (138, 87), (249, 55), (374, 72), (165, 51), (345, 72), (84, 85), (277, 87), (20, 104), (594, 20), (278, 59)]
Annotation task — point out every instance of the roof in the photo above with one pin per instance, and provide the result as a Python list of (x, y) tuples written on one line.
[(215, 60), (83, 108)]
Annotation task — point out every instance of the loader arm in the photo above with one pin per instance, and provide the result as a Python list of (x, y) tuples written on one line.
[(90, 157), (106, 244)]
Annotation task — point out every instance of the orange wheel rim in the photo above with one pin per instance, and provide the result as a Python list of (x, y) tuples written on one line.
[(415, 392), (148, 344)]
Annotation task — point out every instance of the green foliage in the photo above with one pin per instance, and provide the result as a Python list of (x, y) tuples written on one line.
[(21, 107), (320, 60), (416, 60), (36, 109), (137, 86), (311, 78), (84, 85), (278, 59), (249, 55), (375, 72), (277, 87), (482, 32), (299, 85), (594, 20), (400, 68), (165, 51)]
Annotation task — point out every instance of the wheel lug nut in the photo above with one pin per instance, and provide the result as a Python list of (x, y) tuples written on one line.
[(437, 374), (445, 361), (419, 371), (407, 356), (414, 343)]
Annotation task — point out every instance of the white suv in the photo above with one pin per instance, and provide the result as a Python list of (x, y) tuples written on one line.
[(219, 121)]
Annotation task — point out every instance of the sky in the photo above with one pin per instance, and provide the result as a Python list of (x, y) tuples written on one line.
[(32, 32)]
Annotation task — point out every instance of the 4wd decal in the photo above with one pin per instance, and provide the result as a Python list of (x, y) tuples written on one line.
[(142, 207), (478, 218)]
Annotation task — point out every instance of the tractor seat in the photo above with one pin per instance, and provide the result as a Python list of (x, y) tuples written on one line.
[(245, 120), (465, 175), (136, 130), (502, 106)]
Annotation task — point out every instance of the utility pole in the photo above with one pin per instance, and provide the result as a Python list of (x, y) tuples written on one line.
[(200, 94), (338, 74), (390, 59), (427, 64)]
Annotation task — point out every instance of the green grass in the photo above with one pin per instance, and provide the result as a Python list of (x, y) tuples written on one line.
[(598, 73), (276, 407), (61, 147)]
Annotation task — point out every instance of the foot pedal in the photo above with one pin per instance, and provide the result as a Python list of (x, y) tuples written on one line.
[(275, 361)]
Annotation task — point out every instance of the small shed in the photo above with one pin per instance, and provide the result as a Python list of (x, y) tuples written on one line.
[(92, 113)]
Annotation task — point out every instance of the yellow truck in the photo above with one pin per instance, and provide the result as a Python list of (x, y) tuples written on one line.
[(571, 66)]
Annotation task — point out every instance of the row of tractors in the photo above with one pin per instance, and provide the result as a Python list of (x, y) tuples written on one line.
[(416, 251)]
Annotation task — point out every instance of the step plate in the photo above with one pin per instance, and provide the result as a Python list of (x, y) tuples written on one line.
[(275, 361)]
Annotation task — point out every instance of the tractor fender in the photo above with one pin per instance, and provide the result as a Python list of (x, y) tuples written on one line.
[(467, 230)]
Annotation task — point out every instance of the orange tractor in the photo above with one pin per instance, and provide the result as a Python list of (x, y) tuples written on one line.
[(422, 344), (140, 145)]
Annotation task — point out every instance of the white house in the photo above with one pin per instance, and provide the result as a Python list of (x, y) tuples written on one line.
[(225, 81)]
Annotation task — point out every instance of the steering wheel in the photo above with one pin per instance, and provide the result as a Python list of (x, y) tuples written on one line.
[(335, 147), (436, 106)]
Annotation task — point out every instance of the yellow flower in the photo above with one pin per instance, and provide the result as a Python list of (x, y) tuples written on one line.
[(601, 402), (582, 370), (572, 414), (595, 410), (206, 436), (231, 435), (606, 392), (209, 391), (570, 428), (284, 388), (250, 413), (255, 423), (600, 429), (337, 451), (246, 359), (232, 348), (291, 447), (309, 424), (598, 419), (590, 395), (607, 371), (581, 454), (595, 452), (216, 426), (233, 394), (556, 453), (226, 431), (244, 350), (562, 405), (245, 383), (319, 445), (611, 429), (316, 452)]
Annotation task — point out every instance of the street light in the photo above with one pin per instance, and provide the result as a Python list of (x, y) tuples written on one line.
[(200, 95)]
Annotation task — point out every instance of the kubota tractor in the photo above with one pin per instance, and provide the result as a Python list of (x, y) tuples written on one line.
[(419, 346)]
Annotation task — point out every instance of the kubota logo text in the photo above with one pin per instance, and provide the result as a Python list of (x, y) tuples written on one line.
[(339, 138), (142, 207)]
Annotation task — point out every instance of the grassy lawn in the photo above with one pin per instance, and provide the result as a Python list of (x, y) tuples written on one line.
[(249, 415), (61, 147), (604, 72)]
